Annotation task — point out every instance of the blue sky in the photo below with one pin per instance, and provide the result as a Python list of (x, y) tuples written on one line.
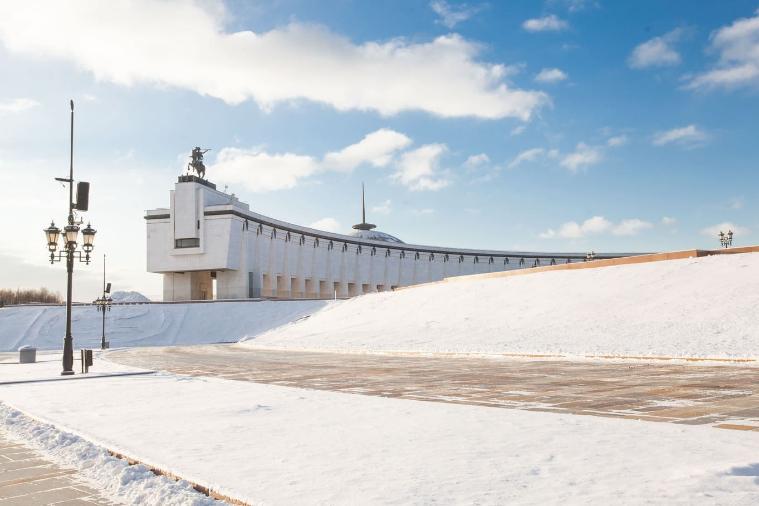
[(562, 125)]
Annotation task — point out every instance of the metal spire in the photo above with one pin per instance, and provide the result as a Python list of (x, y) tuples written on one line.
[(363, 225)]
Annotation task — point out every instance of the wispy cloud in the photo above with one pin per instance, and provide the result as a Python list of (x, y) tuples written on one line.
[(550, 23), (419, 170), (597, 225), (444, 76), (583, 156), (553, 75), (451, 15), (687, 136), (328, 225), (528, 155), (617, 141), (17, 105), (385, 207), (476, 161), (656, 52), (738, 49), (377, 149), (725, 226)]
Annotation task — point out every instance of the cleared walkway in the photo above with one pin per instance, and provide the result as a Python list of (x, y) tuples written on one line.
[(27, 479), (724, 396)]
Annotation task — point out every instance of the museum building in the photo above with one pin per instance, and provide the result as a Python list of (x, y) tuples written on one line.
[(209, 245)]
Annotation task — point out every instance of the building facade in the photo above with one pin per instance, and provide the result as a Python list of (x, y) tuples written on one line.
[(207, 244)]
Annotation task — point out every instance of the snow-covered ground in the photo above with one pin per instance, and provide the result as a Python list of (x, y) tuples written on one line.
[(699, 307), (113, 476), (148, 324), (279, 445)]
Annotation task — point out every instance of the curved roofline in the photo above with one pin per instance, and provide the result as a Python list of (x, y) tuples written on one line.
[(223, 210)]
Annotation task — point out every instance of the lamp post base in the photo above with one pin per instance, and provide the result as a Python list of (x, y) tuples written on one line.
[(67, 373)]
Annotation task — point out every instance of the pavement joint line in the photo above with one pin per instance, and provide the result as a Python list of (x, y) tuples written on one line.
[(78, 377)]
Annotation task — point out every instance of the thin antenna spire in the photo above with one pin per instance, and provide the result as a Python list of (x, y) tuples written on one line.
[(363, 204)]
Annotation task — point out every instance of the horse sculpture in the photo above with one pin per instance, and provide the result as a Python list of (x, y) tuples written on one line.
[(197, 161)]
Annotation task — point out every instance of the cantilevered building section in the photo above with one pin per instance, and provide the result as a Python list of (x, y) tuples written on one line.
[(208, 244)]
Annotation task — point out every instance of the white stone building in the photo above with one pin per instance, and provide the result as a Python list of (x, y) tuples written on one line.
[(208, 244)]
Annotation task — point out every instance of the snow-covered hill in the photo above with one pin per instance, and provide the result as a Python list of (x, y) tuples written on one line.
[(148, 324), (699, 307)]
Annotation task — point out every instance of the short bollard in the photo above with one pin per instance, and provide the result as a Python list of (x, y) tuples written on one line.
[(86, 360), (27, 355)]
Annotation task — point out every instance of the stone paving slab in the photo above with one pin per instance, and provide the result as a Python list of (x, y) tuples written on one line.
[(27, 479), (726, 396)]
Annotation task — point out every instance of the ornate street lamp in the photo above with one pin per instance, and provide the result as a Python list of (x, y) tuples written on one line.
[(69, 245), (726, 239), (103, 303)]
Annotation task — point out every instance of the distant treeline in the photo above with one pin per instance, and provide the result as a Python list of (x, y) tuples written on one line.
[(19, 296)]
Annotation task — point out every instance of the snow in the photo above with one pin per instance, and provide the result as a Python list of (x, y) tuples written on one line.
[(148, 324), (122, 296), (127, 484), (279, 445), (698, 307)]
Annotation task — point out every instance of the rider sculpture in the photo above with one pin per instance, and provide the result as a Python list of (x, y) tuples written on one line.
[(197, 162)]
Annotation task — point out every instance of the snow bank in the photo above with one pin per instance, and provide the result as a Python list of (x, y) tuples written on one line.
[(149, 324), (700, 307), (269, 444), (125, 483), (129, 297)]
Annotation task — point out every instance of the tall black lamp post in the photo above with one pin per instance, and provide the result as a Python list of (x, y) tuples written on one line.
[(103, 303), (69, 245)]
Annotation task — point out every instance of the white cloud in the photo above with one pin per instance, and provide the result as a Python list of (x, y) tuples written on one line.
[(583, 156), (17, 105), (545, 24), (383, 208), (185, 45), (259, 171), (595, 226), (687, 136), (616, 141), (551, 76), (528, 155), (518, 130), (327, 224), (738, 48), (450, 15), (419, 169), (656, 52), (668, 221), (475, 161), (377, 149), (631, 227), (423, 212), (737, 203), (725, 226)]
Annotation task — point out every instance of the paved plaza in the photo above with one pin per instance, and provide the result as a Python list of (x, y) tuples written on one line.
[(724, 396), (28, 479)]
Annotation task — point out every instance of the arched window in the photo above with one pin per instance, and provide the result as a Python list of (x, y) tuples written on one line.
[(374, 251), (536, 263), (358, 250), (387, 252), (553, 261), (330, 246), (403, 254), (521, 262), (259, 229), (490, 260), (345, 247), (273, 233), (461, 258), (316, 242), (505, 260), (416, 256), (476, 260), (302, 240), (446, 258), (432, 257), (288, 237)]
